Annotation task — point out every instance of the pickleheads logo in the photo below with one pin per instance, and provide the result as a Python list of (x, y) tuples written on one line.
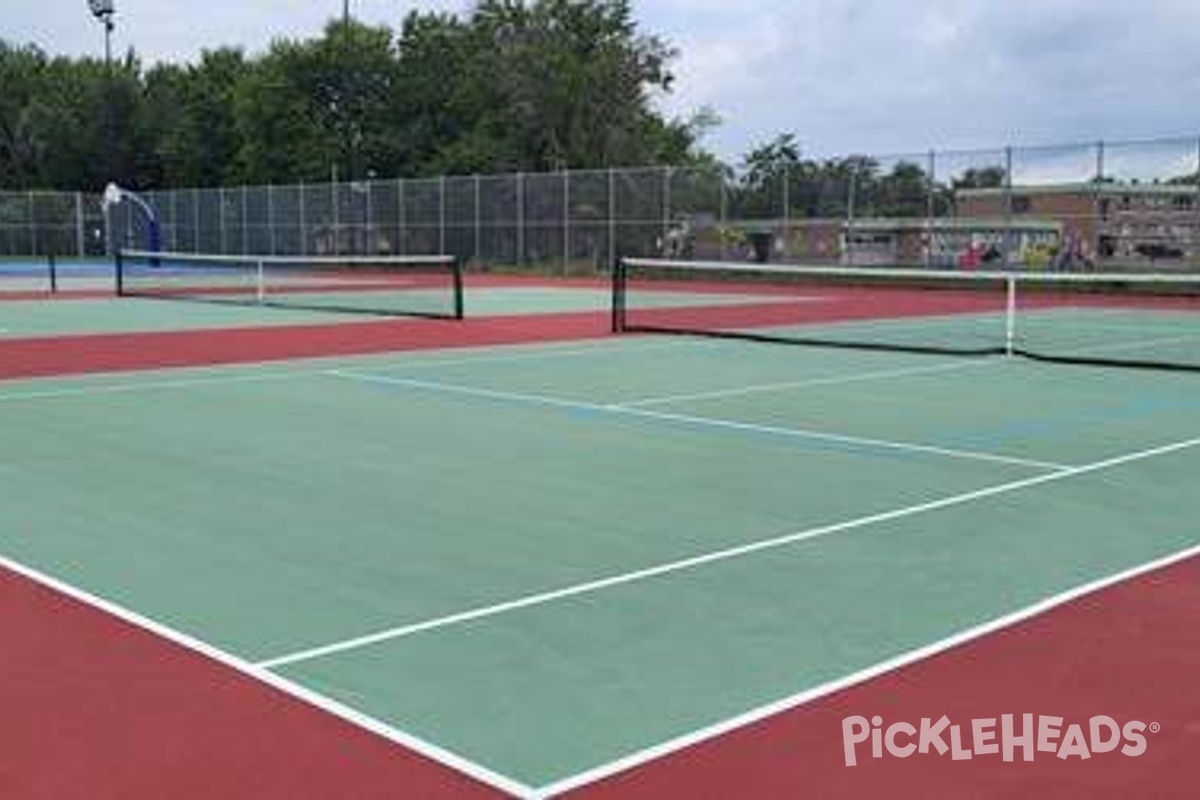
[(984, 737)]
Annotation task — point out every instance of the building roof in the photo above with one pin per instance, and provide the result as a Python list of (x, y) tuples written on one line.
[(1089, 189), (955, 224)]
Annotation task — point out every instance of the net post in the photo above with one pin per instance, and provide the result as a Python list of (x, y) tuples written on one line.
[(618, 295), (456, 267), (80, 229), (1010, 313), (52, 266), (119, 272), (260, 281)]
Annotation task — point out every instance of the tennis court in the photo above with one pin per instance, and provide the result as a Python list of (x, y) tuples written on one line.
[(543, 564)]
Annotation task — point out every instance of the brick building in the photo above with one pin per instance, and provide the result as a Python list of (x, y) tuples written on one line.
[(1132, 224)]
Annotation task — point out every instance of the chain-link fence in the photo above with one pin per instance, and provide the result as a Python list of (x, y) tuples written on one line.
[(1123, 204)]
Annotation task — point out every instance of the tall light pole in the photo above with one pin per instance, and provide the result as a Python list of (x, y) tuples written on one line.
[(103, 10)]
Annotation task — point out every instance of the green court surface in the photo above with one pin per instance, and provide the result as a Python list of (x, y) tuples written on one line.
[(41, 318), (27, 318), (546, 558)]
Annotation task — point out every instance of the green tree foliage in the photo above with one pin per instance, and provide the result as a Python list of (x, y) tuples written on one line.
[(981, 178), (511, 85), (903, 191), (765, 171), (776, 171), (22, 75), (69, 124), (190, 113), (309, 109)]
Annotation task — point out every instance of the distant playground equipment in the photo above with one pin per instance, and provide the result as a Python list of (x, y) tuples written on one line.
[(114, 197), (701, 236)]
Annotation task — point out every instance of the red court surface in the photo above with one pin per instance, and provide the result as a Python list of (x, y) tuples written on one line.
[(1131, 652), (95, 708)]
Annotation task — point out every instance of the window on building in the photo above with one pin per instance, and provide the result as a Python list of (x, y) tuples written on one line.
[(1021, 204)]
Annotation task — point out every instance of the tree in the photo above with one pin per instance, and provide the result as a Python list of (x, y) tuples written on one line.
[(568, 82), (766, 169), (22, 75), (903, 192), (441, 94), (308, 108), (992, 177), (191, 113), (512, 85)]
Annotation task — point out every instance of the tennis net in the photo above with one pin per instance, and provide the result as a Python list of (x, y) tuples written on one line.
[(1147, 320), (424, 286)]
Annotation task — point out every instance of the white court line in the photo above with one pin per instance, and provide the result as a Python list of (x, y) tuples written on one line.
[(687, 419), (862, 676), (1100, 349), (857, 441), (833, 380), (668, 568), (602, 347), (290, 688), (145, 386)]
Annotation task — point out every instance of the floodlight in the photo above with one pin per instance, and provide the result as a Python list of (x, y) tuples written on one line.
[(101, 8)]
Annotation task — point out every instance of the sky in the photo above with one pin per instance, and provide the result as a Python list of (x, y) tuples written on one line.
[(843, 76)]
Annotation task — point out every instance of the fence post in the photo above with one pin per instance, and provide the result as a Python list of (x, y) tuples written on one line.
[(303, 221), (33, 231), (109, 249), (851, 190), (402, 233), (195, 220), (1097, 200), (478, 224), (666, 205), (334, 203), (520, 218), (566, 192), (271, 216), (930, 207), (80, 230), (1008, 206), (787, 198), (174, 246), (1196, 208), (612, 217), (723, 213), (221, 220), (370, 248), (245, 220), (784, 242), (442, 214)]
